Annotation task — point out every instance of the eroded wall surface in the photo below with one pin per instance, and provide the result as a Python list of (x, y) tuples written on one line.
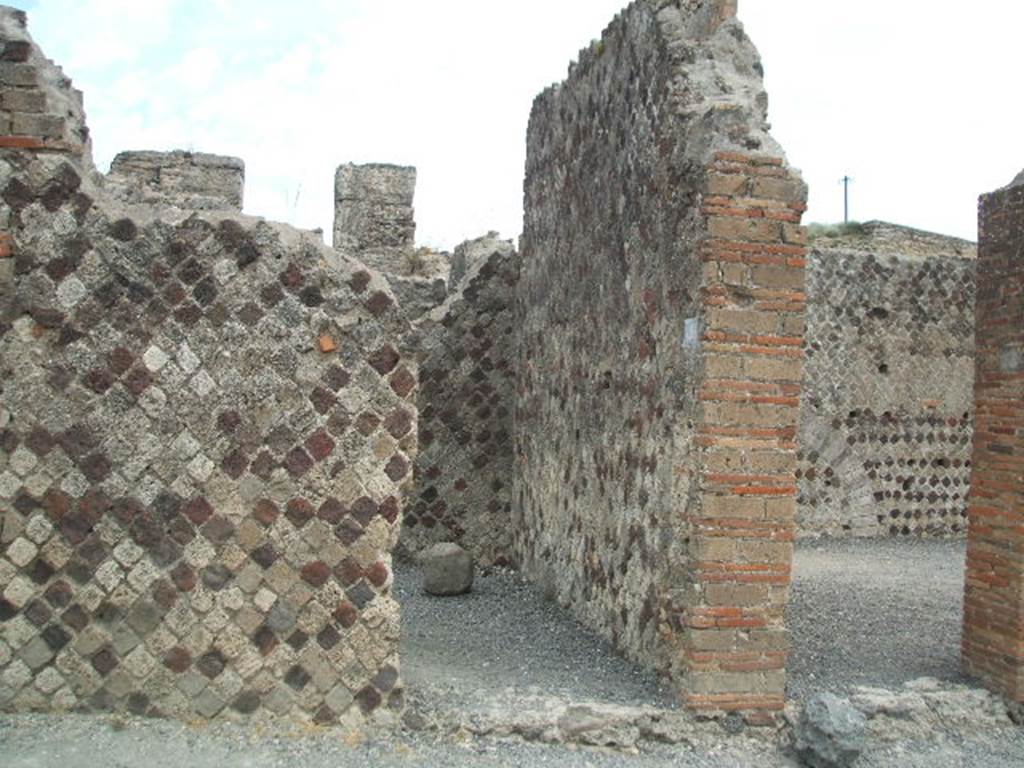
[(193, 180), (661, 312), (193, 522), (885, 421), (993, 640), (464, 469)]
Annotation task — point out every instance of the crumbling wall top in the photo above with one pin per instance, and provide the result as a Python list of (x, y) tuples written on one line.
[(373, 207), (1018, 180), (715, 74), (39, 108), (885, 238), (189, 180)]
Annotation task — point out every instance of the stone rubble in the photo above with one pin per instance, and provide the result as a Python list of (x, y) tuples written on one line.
[(830, 732)]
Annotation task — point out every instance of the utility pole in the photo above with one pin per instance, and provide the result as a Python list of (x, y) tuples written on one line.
[(845, 181)]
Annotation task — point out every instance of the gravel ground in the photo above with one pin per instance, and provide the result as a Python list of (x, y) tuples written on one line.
[(504, 638), (88, 741), (862, 612), (874, 612)]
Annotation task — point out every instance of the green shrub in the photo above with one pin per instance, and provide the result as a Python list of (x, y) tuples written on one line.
[(818, 231)]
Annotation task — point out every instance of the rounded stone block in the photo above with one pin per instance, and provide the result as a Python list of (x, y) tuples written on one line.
[(447, 570)]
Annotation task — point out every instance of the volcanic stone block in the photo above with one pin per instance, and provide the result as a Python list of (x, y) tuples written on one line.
[(447, 570), (830, 732)]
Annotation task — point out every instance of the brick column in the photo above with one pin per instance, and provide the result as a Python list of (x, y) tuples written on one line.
[(742, 533), (993, 638)]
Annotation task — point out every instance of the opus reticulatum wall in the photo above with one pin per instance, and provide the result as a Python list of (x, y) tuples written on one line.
[(209, 423), (193, 522), (885, 419), (464, 468)]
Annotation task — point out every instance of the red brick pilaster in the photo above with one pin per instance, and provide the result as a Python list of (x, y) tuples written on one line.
[(751, 347), (993, 637)]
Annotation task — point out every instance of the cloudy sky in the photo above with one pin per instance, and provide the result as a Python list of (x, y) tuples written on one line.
[(917, 100)]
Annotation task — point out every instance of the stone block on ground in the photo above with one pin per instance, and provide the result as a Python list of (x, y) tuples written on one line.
[(830, 732), (447, 570)]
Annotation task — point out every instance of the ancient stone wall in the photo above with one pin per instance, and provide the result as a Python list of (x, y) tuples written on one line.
[(463, 313), (192, 180), (661, 311), (993, 640), (195, 519), (885, 420), (463, 472)]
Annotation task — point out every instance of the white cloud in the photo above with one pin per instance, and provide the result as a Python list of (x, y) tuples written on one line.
[(910, 98), (102, 33)]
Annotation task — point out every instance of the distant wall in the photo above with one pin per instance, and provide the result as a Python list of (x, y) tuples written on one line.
[(192, 180), (194, 519), (885, 421), (463, 488), (374, 222), (661, 316), (993, 640)]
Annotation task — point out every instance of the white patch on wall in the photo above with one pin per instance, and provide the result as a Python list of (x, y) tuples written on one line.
[(692, 328), (1011, 360)]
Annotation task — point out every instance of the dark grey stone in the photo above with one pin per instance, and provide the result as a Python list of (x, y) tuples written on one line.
[(281, 617), (830, 732)]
